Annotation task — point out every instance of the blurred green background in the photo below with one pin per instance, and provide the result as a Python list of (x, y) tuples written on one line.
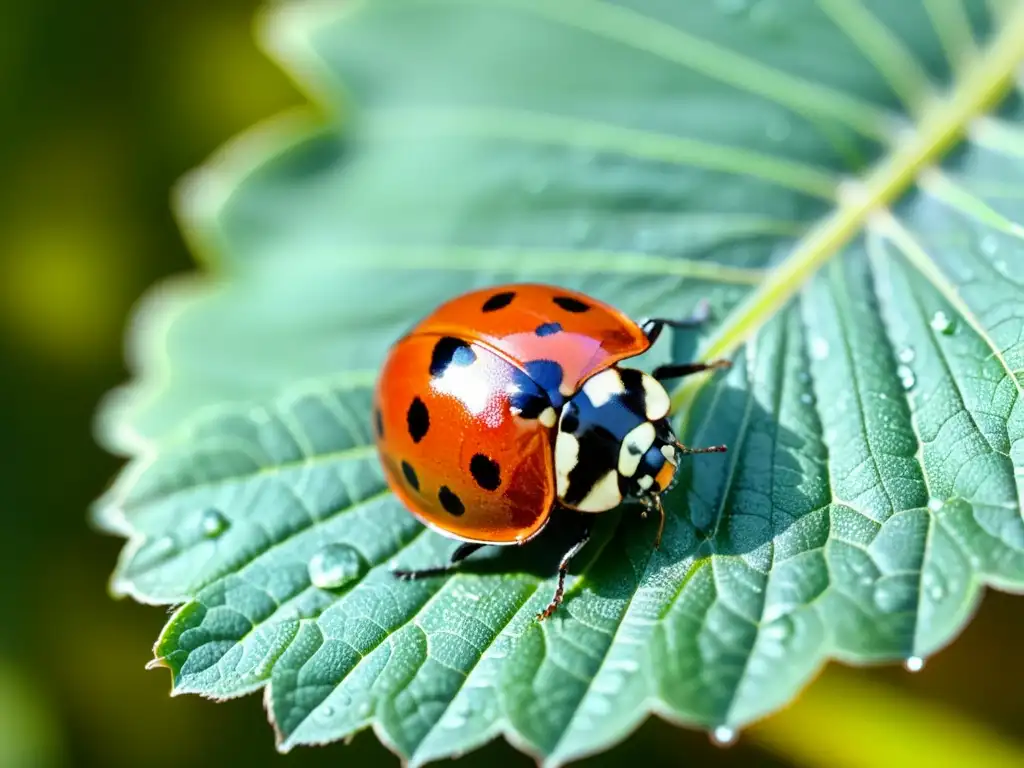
[(105, 107)]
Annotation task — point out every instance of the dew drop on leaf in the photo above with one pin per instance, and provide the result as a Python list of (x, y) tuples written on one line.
[(806, 398), (213, 523), (364, 709), (335, 565), (327, 711), (819, 348), (914, 664), (779, 630), (887, 598), (723, 736), (935, 504), (989, 245), (907, 377), (906, 355), (942, 323)]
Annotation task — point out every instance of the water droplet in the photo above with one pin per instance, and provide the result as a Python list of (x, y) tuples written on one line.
[(819, 348), (364, 709), (906, 355), (936, 592), (327, 711), (942, 323), (935, 504), (335, 565), (907, 377), (723, 736), (887, 598), (779, 630), (989, 245), (213, 523), (803, 377), (806, 398), (914, 664), (1001, 267)]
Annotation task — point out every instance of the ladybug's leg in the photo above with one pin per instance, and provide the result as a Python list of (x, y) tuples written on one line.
[(669, 372), (654, 326), (461, 553), (653, 503), (563, 570)]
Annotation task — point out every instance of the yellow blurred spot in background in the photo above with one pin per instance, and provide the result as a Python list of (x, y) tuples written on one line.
[(847, 720), (66, 276), (61, 295), (29, 732)]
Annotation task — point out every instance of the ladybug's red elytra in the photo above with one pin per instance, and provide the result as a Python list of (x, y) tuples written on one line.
[(507, 402)]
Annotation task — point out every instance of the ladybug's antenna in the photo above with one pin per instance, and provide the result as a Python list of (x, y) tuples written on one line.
[(689, 451)]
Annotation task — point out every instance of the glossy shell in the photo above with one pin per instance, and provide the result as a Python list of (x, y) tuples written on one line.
[(467, 402), (453, 450), (526, 323)]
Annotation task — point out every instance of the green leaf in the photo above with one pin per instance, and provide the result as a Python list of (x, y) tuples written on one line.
[(841, 179)]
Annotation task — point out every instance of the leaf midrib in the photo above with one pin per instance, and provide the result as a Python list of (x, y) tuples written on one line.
[(943, 123)]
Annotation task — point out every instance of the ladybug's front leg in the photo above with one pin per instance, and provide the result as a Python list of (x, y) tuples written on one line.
[(654, 326), (563, 570), (669, 372), (461, 553)]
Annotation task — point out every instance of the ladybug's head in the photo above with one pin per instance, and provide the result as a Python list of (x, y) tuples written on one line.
[(614, 441)]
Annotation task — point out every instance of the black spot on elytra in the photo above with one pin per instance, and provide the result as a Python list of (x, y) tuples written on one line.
[(450, 351), (418, 419), (378, 421), (410, 475), (548, 329), (485, 471), (452, 504), (569, 304), (498, 301)]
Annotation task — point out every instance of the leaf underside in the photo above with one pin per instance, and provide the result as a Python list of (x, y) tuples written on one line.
[(842, 180)]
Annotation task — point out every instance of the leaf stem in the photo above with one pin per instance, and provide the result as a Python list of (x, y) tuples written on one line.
[(942, 124)]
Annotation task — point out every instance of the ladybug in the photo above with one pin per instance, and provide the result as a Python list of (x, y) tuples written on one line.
[(508, 402)]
